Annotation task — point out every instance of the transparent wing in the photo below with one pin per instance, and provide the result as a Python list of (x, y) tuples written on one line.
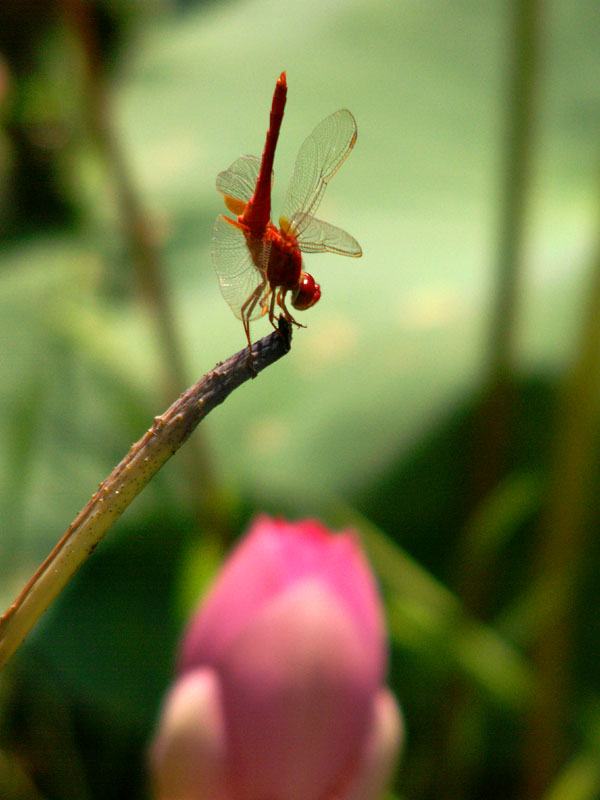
[(232, 260), (319, 158), (240, 179), (318, 236)]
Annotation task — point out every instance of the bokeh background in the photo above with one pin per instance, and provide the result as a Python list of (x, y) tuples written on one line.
[(443, 398)]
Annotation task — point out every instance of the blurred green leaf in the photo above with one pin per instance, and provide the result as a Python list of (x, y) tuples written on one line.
[(515, 500), (425, 615), (579, 780)]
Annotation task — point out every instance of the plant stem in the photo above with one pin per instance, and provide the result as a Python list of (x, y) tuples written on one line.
[(561, 547), (492, 425), (516, 169), (168, 432)]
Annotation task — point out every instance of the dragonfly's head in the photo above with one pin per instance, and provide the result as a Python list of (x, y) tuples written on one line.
[(307, 293)]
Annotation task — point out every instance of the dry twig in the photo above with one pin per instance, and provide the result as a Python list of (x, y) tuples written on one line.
[(168, 432)]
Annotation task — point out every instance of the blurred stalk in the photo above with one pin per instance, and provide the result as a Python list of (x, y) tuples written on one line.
[(517, 173), (492, 433), (561, 547), (492, 426), (137, 227)]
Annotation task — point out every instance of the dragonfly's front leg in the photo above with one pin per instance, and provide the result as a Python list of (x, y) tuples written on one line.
[(286, 311), (272, 309)]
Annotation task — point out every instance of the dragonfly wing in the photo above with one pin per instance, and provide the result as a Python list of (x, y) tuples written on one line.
[(318, 236), (240, 179), (319, 158), (232, 260)]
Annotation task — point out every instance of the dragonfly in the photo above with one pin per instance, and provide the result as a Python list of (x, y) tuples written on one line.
[(259, 263)]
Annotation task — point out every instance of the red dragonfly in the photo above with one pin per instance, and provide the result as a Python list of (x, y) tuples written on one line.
[(257, 262)]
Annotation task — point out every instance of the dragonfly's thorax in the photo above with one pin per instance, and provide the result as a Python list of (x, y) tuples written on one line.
[(285, 260)]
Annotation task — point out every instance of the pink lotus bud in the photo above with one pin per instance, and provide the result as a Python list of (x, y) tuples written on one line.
[(279, 694)]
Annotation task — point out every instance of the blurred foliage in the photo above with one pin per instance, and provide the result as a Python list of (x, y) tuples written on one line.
[(474, 490)]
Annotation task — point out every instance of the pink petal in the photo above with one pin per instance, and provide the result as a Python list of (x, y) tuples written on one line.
[(188, 753), (381, 751), (298, 686), (273, 556)]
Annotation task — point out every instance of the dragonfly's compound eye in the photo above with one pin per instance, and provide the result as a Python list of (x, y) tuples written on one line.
[(307, 293)]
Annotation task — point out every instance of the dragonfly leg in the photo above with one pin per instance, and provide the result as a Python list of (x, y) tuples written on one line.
[(247, 310), (286, 311), (266, 302), (272, 310)]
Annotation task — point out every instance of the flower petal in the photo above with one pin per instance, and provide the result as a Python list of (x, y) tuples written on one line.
[(298, 687), (272, 557), (381, 751), (188, 753)]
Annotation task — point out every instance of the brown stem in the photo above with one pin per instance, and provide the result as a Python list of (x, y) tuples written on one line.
[(492, 425), (168, 432), (516, 170), (561, 548)]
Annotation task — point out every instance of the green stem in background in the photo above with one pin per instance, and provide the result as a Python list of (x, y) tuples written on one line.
[(145, 259), (492, 428), (491, 433), (561, 547), (516, 169), (127, 480)]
